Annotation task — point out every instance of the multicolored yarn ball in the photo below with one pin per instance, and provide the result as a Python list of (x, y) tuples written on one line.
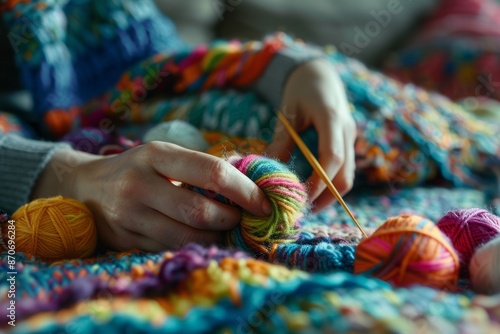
[(467, 230), (408, 250), (55, 229), (484, 268), (288, 199)]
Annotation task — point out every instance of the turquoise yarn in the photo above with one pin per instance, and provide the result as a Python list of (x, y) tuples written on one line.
[(323, 257)]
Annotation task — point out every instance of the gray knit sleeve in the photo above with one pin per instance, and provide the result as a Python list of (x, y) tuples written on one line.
[(271, 84), (21, 161)]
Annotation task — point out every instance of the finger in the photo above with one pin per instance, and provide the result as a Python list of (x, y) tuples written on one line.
[(281, 147), (188, 207), (124, 240), (345, 178), (145, 243), (343, 181), (160, 232), (331, 156), (211, 173)]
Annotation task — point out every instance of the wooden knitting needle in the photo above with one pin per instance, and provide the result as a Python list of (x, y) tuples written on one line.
[(317, 167)]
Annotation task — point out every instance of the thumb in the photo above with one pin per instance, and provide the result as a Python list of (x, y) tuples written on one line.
[(282, 144)]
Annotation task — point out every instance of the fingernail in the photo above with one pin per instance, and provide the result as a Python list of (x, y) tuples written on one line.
[(266, 207)]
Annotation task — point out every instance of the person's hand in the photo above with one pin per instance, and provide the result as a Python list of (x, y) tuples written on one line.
[(136, 206), (314, 95)]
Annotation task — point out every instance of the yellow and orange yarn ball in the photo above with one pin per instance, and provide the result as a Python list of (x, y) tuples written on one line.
[(408, 250), (55, 229)]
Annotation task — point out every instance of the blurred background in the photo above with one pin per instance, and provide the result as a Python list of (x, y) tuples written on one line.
[(448, 46), (316, 21)]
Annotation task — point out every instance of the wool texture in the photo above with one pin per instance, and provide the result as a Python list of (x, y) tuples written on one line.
[(405, 135), (484, 268), (455, 52), (468, 229), (69, 52), (288, 199), (53, 229), (208, 289), (408, 250)]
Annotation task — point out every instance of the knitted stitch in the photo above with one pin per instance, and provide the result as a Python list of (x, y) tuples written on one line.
[(214, 289), (71, 51), (198, 289), (205, 289), (220, 65)]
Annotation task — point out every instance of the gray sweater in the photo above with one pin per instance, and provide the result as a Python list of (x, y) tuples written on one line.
[(21, 161)]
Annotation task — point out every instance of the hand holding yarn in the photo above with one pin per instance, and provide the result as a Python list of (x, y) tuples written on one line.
[(288, 200), (322, 104), (136, 206)]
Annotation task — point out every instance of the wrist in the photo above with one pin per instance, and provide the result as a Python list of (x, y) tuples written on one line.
[(272, 82), (59, 177)]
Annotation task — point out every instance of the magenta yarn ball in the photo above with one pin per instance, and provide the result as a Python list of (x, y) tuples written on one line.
[(467, 230)]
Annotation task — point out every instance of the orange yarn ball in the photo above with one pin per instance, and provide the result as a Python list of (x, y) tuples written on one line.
[(55, 228), (408, 250)]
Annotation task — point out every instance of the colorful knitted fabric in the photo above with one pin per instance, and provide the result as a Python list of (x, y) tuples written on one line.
[(405, 134), (71, 51), (199, 290), (456, 52)]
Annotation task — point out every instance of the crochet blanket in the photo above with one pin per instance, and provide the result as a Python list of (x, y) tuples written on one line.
[(308, 288), (407, 137)]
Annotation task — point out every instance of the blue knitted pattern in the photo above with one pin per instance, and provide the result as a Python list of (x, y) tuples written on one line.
[(71, 51)]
